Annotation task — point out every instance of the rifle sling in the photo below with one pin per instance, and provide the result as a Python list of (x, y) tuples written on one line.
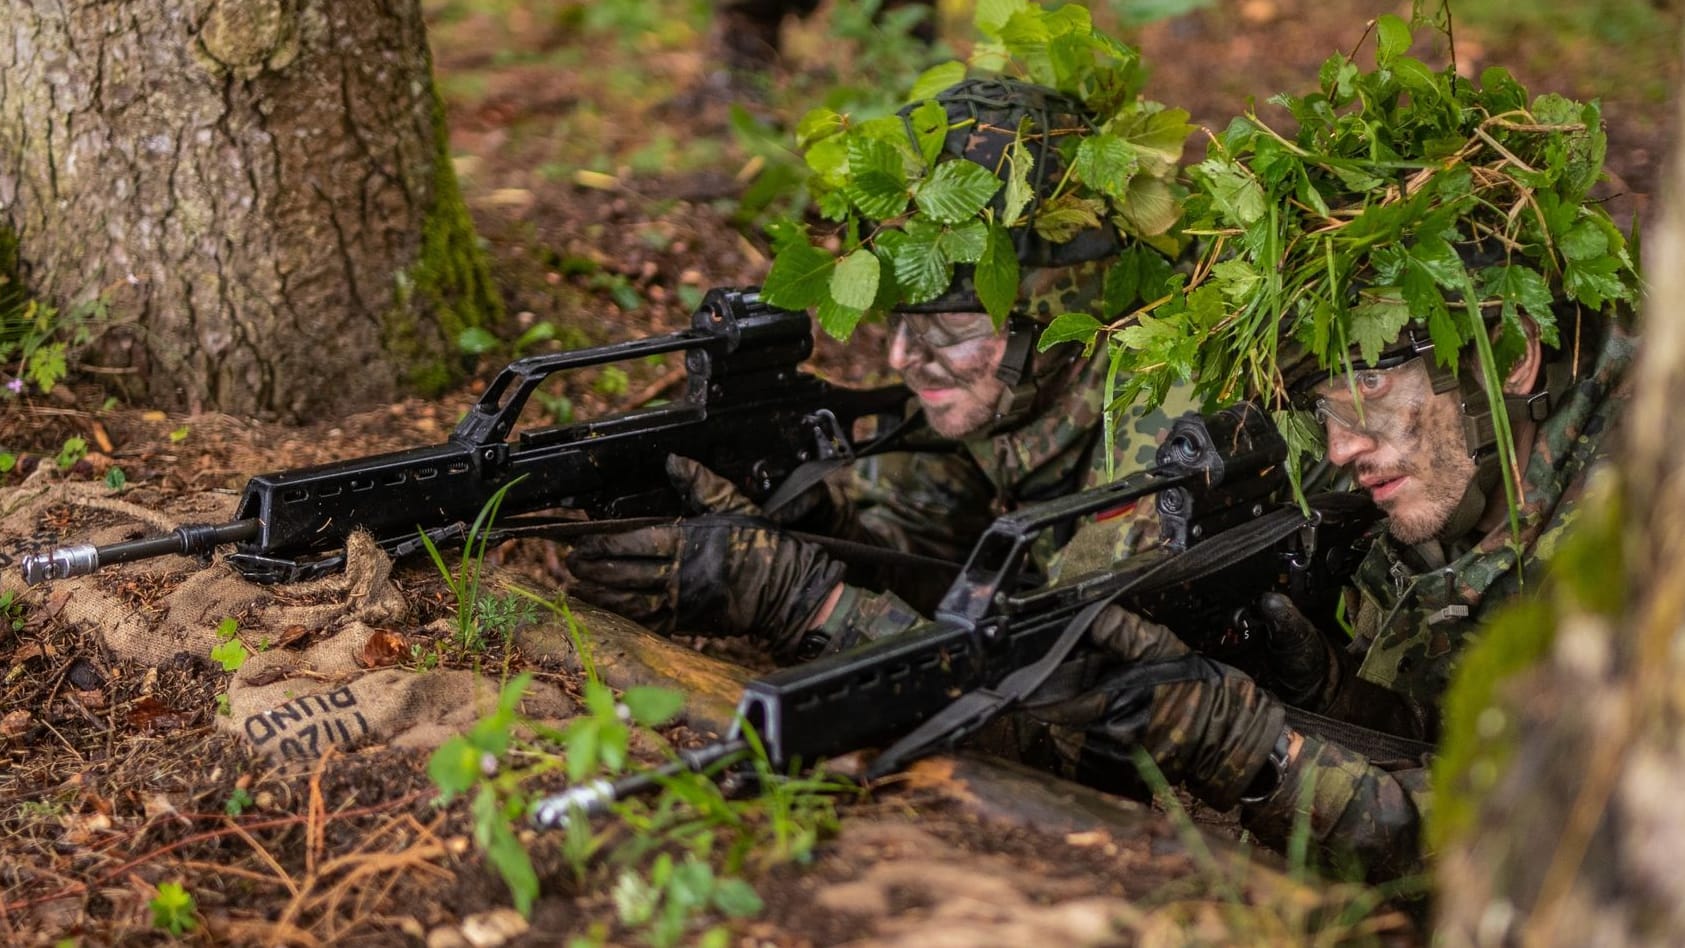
[(978, 707), (1377, 746)]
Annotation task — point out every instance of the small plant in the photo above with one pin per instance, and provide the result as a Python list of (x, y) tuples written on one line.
[(664, 905), (11, 611), (223, 708), (115, 479), (174, 910), (229, 652), (73, 450), (464, 581), (180, 434), (238, 802)]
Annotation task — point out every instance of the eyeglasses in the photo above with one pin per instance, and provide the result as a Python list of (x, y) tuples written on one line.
[(1371, 402), (941, 330)]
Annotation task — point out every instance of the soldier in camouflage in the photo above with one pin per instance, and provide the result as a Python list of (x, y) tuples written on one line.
[(1015, 425), (1423, 442)]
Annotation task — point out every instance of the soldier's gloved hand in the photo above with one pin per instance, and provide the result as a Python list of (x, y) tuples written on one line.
[(727, 572), (1304, 666), (1206, 725)]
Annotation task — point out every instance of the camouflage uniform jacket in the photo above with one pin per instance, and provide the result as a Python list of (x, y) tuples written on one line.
[(939, 503), (1416, 615)]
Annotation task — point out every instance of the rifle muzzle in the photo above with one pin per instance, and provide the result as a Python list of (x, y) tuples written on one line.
[(60, 563)]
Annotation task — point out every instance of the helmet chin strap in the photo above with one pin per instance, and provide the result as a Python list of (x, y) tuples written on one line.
[(1022, 375), (1480, 435)]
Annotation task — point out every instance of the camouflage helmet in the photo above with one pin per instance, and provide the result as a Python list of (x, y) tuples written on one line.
[(986, 117)]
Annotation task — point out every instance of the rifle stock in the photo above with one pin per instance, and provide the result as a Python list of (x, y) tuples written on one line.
[(748, 413), (1225, 544)]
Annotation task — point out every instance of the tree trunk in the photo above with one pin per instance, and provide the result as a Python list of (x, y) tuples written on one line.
[(1580, 835), (258, 189)]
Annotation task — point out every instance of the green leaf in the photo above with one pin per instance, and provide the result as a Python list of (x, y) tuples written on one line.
[(1234, 192), (1377, 321), (737, 899), (1106, 163), (454, 766), (115, 479), (838, 321), (916, 260), (1062, 218), (651, 705), (996, 275), (1583, 241), (929, 123), (991, 15), (935, 79), (584, 738), (227, 629), (877, 180), (1019, 163), (507, 855), (964, 243), (230, 655), (1150, 207), (1069, 327), (956, 191), (1392, 39), (800, 277), (173, 909), (854, 281), (817, 125), (828, 160), (1441, 261)]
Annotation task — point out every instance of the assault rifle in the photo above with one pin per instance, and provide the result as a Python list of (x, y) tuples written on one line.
[(1000, 631), (748, 413)]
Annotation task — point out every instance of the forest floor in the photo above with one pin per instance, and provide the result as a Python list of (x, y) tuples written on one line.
[(616, 173)]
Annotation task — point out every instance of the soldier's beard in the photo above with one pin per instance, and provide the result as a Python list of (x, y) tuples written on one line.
[(1439, 467), (958, 388)]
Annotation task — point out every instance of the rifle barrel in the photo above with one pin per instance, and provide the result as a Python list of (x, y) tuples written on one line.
[(81, 559)]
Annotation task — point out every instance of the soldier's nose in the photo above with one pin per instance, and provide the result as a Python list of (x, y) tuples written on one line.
[(900, 348), (1345, 444)]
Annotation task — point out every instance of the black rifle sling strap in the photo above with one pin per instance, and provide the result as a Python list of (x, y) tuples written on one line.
[(1377, 746), (976, 708), (809, 473)]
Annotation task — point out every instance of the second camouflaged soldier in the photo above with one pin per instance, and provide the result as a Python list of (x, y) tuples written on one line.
[(1422, 275), (1025, 425)]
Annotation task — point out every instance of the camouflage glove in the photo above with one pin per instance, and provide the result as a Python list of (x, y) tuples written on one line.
[(1305, 668), (1206, 725), (726, 572)]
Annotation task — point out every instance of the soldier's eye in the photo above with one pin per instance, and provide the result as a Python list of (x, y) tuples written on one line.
[(1371, 382)]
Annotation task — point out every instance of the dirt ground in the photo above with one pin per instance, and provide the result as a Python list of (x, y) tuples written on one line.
[(113, 778)]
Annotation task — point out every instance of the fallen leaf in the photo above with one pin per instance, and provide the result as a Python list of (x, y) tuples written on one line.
[(150, 714), (291, 634), (16, 723), (94, 699), (383, 647)]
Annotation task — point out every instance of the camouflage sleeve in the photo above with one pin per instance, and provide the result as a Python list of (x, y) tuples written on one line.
[(1359, 814), (859, 616), (934, 504)]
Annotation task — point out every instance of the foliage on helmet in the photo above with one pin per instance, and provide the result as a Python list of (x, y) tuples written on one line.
[(1408, 197), (910, 209)]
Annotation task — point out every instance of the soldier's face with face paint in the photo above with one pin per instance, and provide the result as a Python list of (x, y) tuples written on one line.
[(1403, 443), (949, 361)]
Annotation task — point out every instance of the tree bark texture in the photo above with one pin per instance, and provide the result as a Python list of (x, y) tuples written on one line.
[(1580, 839), (258, 189)]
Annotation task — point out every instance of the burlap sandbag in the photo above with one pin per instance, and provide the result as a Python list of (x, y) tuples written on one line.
[(289, 700)]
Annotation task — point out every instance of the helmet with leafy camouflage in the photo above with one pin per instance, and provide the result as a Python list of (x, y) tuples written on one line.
[(1020, 133), (1414, 213), (989, 194)]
